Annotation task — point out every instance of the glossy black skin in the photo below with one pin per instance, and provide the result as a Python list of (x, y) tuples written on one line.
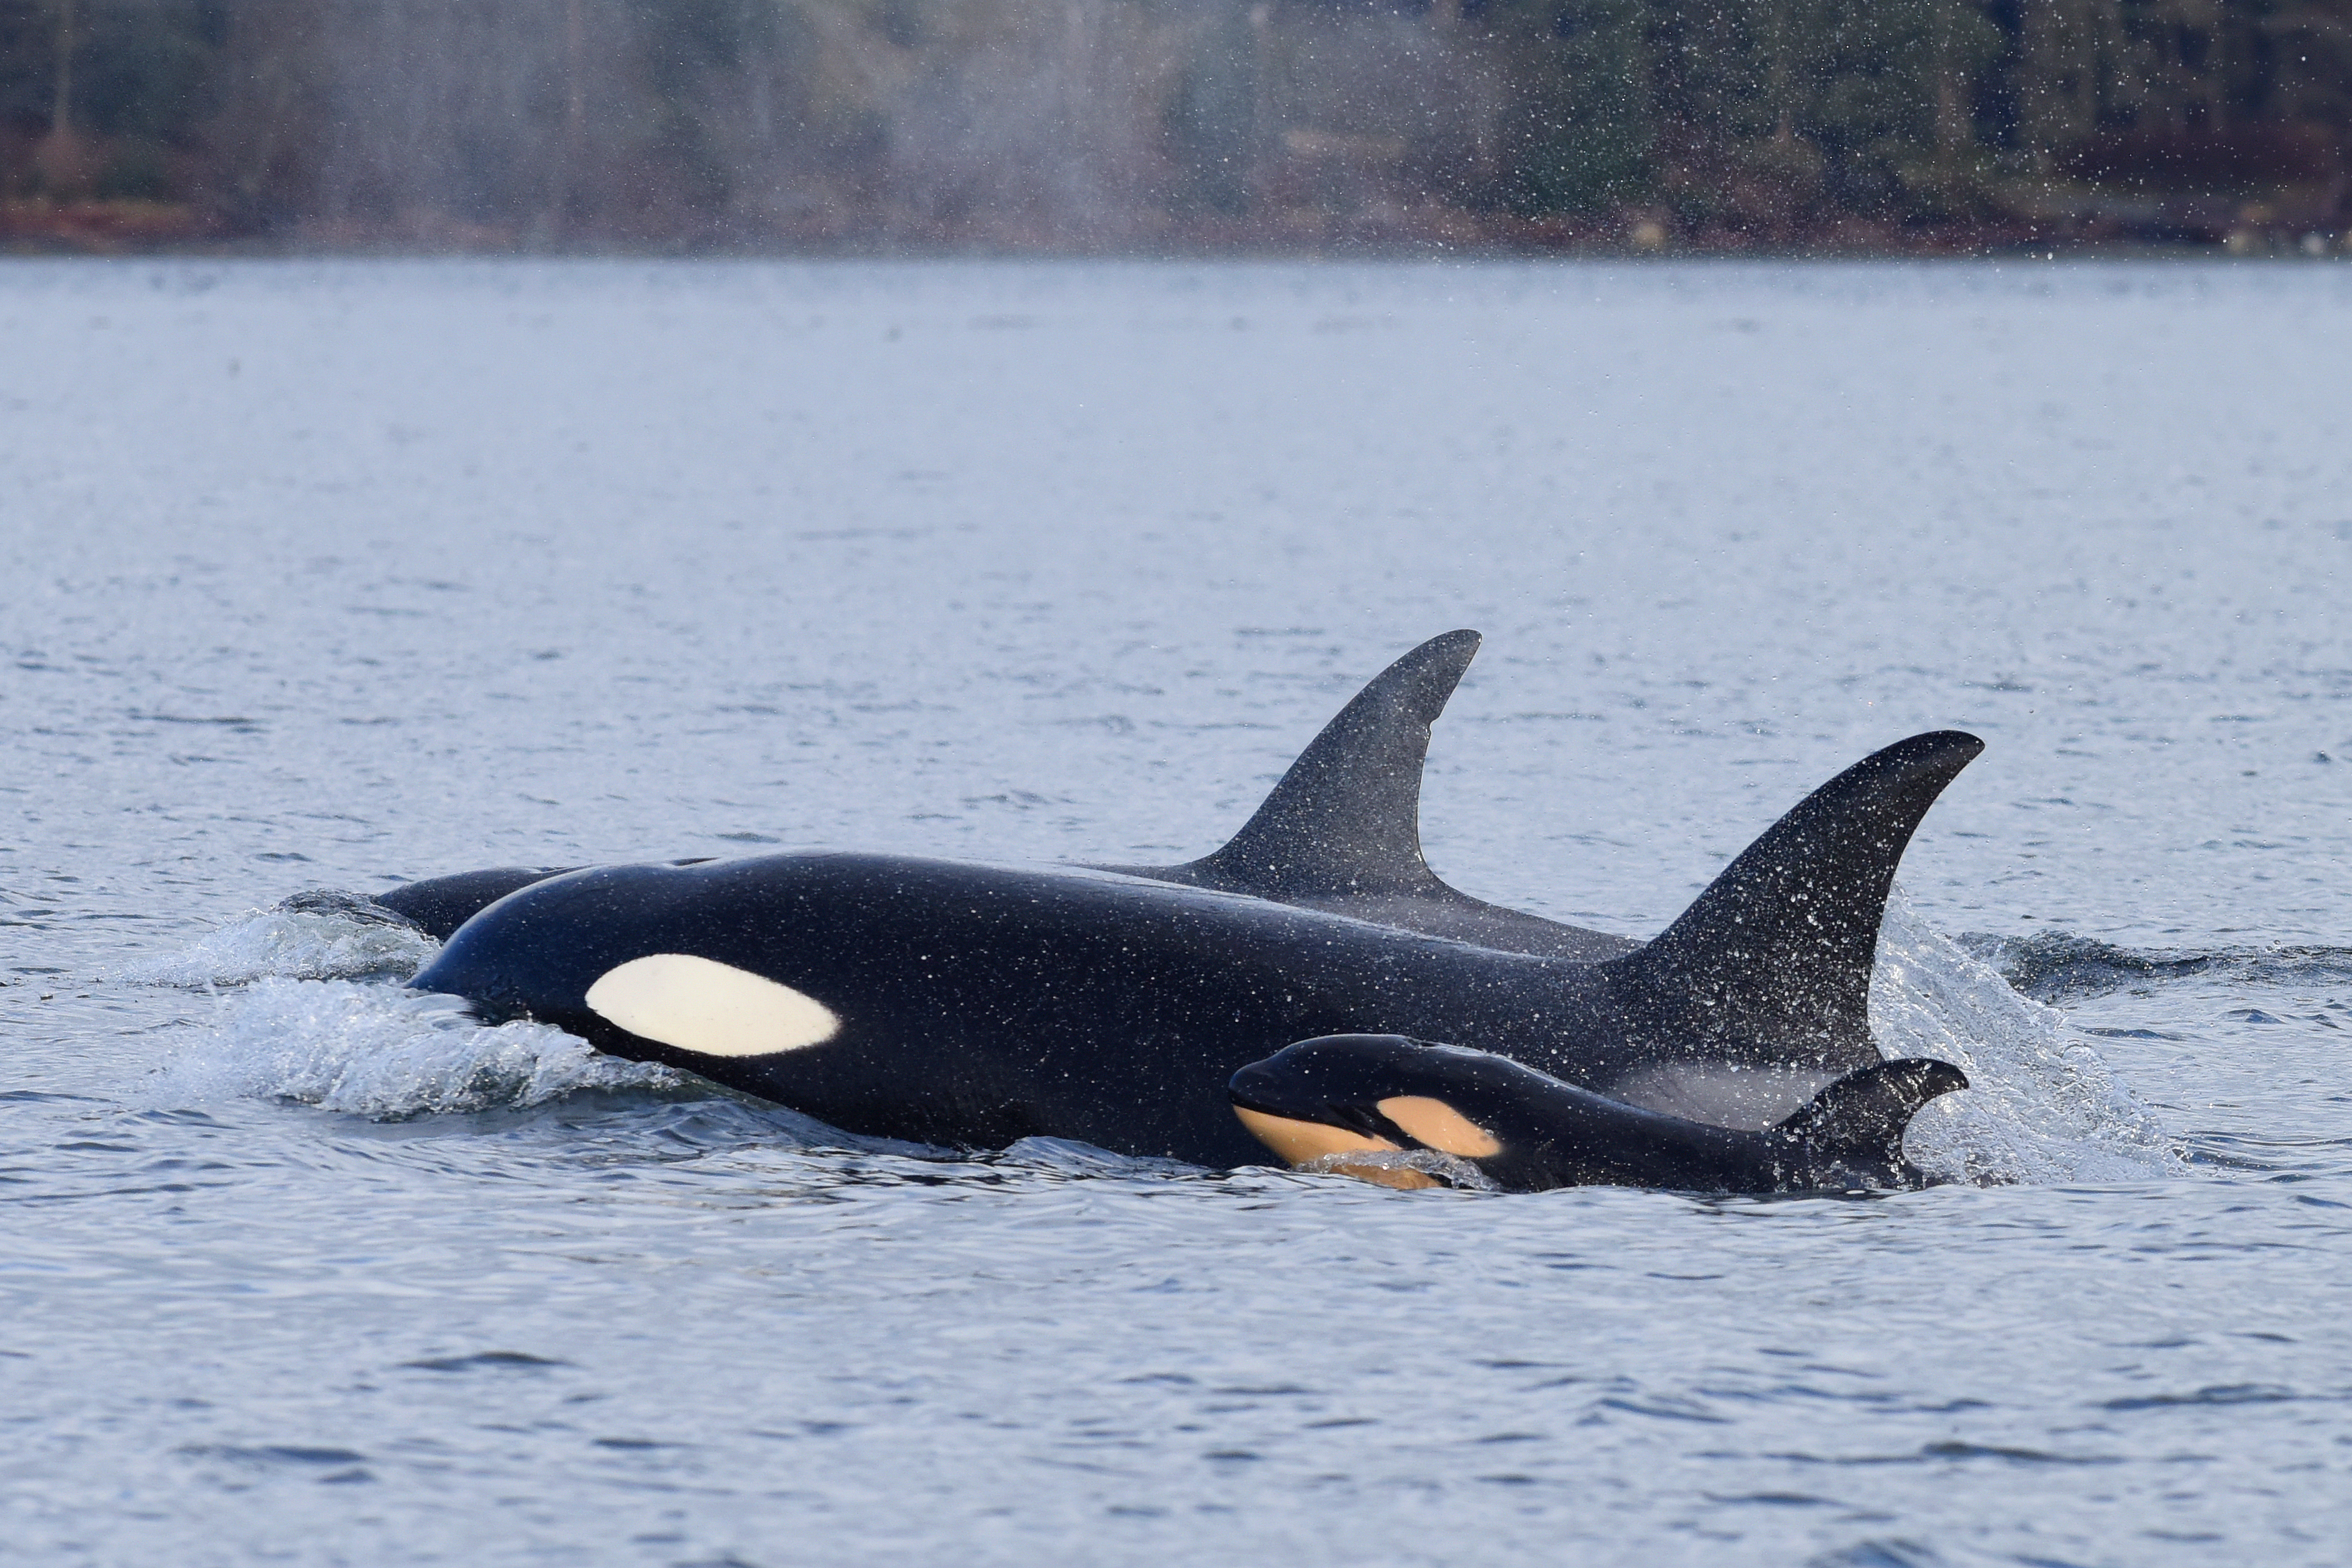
[(1556, 1134), (982, 1005)]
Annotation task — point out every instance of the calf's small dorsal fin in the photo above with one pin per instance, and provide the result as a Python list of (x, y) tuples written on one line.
[(1772, 965), (1861, 1118), (1346, 819)]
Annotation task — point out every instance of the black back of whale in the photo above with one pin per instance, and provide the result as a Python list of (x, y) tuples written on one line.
[(981, 1004), (439, 905), (1340, 832)]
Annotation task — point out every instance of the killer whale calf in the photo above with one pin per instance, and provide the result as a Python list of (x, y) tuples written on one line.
[(974, 1004), (1343, 1101)]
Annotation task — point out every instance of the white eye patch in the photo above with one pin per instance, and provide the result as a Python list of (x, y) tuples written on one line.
[(709, 1008)]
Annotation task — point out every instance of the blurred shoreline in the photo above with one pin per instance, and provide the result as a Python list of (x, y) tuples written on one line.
[(1846, 128), (133, 228)]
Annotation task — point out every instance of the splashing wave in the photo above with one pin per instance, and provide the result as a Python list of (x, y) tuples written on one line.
[(384, 1053), (2041, 1107), (1444, 1169), (310, 936)]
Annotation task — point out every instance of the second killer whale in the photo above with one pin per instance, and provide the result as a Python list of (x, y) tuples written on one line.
[(974, 1004)]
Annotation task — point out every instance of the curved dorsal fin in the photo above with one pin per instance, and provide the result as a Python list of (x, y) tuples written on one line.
[(1341, 832), (1860, 1119), (1772, 963), (1346, 819)]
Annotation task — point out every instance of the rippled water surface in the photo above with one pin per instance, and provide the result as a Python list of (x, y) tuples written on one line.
[(325, 575)]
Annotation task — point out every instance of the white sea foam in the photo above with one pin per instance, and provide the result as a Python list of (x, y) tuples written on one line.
[(2041, 1106), (1447, 1169), (383, 1052), (315, 936)]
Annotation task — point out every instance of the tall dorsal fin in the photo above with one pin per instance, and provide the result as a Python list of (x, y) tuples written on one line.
[(1341, 832), (1346, 819), (1772, 965)]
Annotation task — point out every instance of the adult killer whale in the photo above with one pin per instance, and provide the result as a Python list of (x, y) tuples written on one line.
[(975, 1005)]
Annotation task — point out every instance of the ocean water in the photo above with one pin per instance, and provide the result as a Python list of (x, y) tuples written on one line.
[(325, 574)]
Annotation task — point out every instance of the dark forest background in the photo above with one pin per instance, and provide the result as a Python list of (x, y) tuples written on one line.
[(1145, 124)]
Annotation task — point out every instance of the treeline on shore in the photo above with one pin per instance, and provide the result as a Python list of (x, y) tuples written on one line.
[(1855, 125)]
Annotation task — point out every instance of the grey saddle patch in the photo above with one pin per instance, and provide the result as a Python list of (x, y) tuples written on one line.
[(1721, 1094)]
